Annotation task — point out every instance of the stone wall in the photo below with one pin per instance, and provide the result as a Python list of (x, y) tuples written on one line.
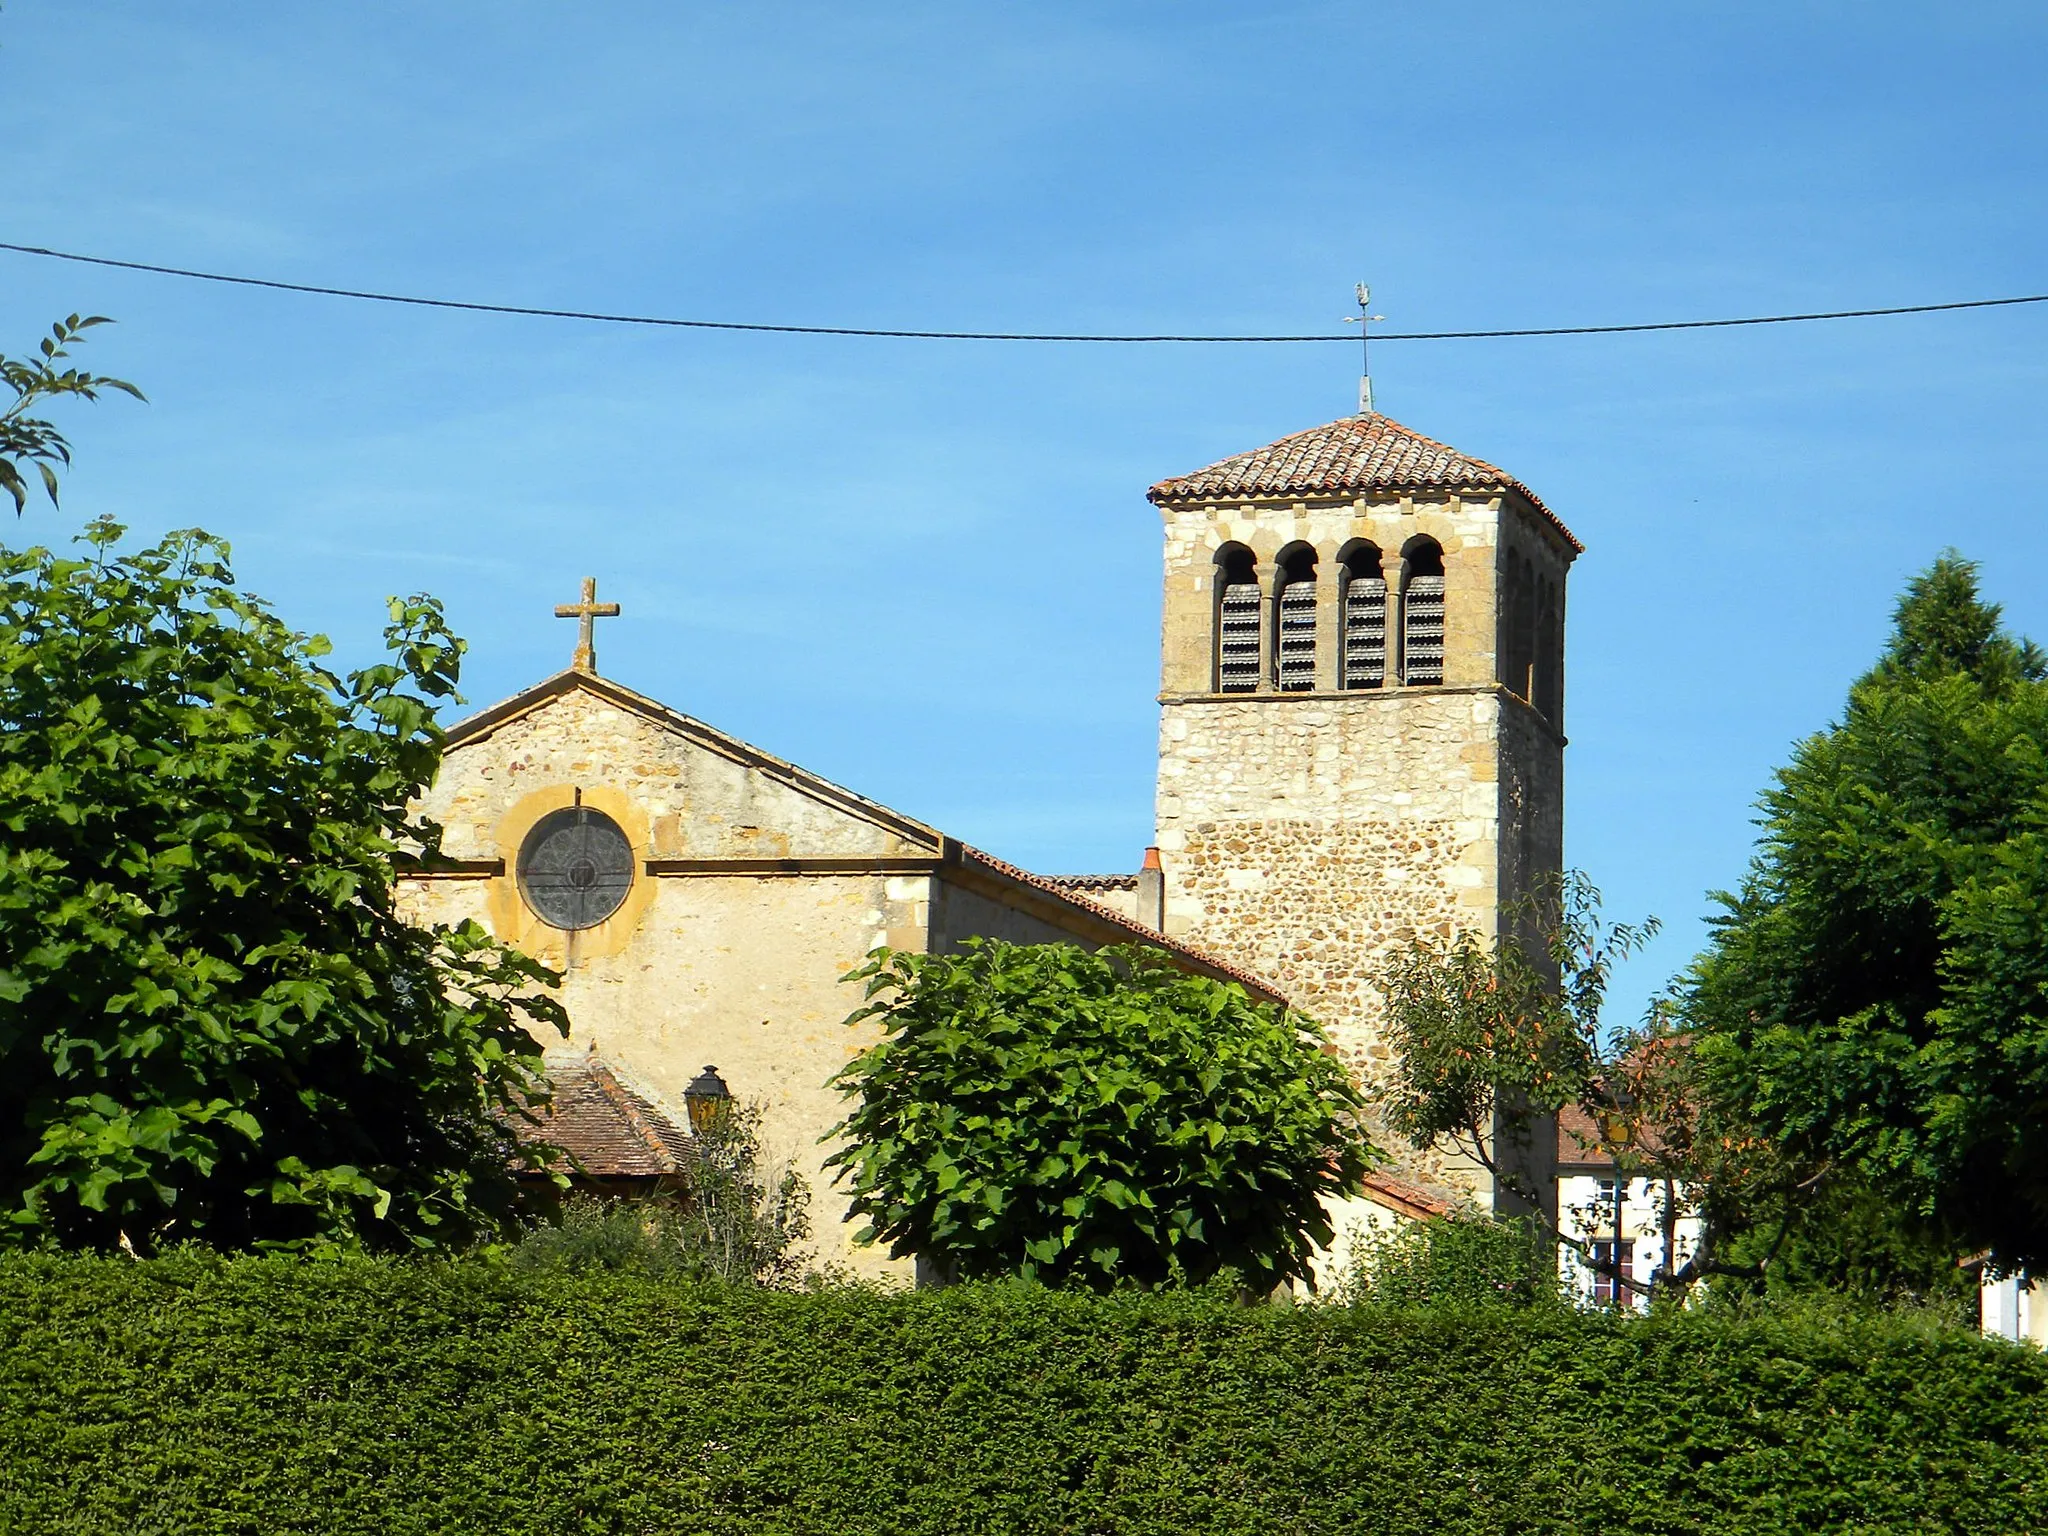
[(1465, 527), (742, 973), (698, 801), (959, 914), (1309, 839)]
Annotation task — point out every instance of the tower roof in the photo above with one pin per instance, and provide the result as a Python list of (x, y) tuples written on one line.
[(1356, 453)]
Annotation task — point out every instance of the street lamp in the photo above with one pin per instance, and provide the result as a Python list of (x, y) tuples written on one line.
[(708, 1100), (1618, 1130)]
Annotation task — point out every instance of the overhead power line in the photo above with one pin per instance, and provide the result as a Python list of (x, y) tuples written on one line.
[(853, 330)]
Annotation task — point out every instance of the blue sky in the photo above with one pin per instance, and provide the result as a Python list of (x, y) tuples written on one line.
[(928, 570)]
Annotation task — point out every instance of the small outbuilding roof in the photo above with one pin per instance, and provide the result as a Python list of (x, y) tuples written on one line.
[(1348, 456), (1402, 1198), (610, 1130)]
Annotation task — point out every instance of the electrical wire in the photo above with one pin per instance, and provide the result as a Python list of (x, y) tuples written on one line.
[(849, 330)]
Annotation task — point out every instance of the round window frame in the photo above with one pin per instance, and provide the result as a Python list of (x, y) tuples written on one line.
[(545, 829)]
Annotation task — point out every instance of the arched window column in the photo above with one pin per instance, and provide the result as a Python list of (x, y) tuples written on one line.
[(1362, 648), (1240, 621), (1550, 655), (1294, 619), (1422, 614), (1518, 656)]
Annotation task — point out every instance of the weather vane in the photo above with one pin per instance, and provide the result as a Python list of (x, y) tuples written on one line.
[(1364, 321)]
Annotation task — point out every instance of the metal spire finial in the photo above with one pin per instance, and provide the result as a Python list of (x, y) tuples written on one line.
[(1364, 321)]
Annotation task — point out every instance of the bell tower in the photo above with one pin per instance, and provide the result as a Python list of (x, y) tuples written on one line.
[(1361, 715)]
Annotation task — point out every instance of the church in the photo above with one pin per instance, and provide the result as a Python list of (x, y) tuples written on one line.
[(1360, 738)]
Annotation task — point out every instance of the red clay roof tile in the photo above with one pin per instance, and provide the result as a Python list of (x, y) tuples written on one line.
[(1092, 882), (611, 1130), (1357, 453), (1403, 1198)]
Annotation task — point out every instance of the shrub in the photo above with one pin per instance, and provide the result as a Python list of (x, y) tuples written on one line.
[(739, 1220), (452, 1398), (1460, 1260), (1092, 1119)]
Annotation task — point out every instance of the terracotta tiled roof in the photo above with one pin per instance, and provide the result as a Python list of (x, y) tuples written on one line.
[(1358, 453), (1092, 882), (1579, 1143), (1402, 1199), (612, 1131), (1137, 930)]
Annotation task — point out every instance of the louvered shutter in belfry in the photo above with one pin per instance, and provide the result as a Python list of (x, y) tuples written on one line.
[(1297, 665), (1422, 638), (1365, 632), (1237, 638)]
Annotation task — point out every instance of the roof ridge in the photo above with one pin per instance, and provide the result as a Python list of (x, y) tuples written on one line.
[(623, 1099), (1347, 456), (1136, 929)]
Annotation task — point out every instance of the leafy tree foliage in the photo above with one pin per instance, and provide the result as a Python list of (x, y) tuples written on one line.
[(1481, 1029), (27, 440), (213, 1023), (1837, 1236), (1875, 999), (1090, 1119), (1492, 1039)]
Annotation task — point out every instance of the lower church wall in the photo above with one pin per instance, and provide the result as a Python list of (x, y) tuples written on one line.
[(743, 973)]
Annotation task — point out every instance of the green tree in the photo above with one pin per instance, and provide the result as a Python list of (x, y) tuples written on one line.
[(29, 441), (214, 1024), (1091, 1119), (1490, 1040), (1874, 1001)]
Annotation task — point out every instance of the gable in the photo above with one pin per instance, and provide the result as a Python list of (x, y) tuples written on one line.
[(701, 793), (695, 802)]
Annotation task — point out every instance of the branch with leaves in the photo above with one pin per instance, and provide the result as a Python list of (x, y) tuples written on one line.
[(1092, 1120), (1498, 1038), (216, 1023), (28, 441)]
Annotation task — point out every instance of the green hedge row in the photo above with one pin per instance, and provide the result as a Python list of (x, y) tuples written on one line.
[(264, 1396)]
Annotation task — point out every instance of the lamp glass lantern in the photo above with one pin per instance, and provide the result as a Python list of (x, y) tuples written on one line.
[(1618, 1118), (708, 1101)]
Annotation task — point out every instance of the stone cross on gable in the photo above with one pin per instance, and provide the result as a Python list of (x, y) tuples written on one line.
[(588, 611)]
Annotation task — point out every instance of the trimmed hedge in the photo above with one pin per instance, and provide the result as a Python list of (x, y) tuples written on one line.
[(266, 1396)]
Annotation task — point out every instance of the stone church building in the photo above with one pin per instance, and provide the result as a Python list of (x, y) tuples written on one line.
[(1361, 713)]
